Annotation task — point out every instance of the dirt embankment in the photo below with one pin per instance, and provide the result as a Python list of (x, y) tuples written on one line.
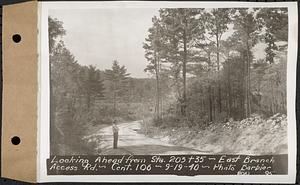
[(254, 135)]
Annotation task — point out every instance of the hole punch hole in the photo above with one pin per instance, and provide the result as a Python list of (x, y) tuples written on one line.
[(15, 140), (16, 38)]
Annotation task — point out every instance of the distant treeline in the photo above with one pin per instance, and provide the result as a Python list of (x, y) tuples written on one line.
[(82, 96)]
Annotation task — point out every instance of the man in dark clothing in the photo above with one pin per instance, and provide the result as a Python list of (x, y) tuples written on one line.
[(115, 130)]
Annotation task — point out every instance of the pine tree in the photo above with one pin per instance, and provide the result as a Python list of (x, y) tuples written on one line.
[(153, 53), (93, 86), (246, 35), (217, 24), (180, 27), (118, 78)]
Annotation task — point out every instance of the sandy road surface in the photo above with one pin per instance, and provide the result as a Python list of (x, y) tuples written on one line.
[(131, 141)]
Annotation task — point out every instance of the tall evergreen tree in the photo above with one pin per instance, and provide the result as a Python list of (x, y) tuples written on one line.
[(217, 24), (180, 27), (118, 78), (246, 34), (153, 49), (93, 86)]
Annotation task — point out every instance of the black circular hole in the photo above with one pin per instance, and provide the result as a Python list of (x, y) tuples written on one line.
[(16, 38), (15, 140)]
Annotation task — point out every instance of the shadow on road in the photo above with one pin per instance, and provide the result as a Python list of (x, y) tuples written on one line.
[(151, 150)]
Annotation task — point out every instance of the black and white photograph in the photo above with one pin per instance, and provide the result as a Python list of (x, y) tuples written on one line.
[(160, 81), (168, 81)]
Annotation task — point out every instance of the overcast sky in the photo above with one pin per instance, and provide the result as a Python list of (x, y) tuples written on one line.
[(99, 36)]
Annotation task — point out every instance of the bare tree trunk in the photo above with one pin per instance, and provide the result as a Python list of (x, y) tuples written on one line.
[(273, 105), (248, 79), (157, 108), (184, 73), (229, 91), (214, 103), (115, 100), (160, 94), (161, 108), (245, 87), (218, 63), (210, 104), (184, 63), (157, 97)]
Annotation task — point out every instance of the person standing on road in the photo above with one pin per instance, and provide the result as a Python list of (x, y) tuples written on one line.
[(115, 130)]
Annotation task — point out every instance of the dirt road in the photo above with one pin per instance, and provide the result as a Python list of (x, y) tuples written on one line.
[(133, 142)]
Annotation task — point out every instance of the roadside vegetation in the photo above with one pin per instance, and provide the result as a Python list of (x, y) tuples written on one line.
[(209, 89)]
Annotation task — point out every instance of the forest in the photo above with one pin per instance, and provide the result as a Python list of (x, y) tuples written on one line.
[(203, 67)]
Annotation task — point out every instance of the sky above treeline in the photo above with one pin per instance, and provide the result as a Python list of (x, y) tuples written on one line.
[(99, 36)]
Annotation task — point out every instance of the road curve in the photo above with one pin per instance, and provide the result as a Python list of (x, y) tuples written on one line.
[(133, 142)]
